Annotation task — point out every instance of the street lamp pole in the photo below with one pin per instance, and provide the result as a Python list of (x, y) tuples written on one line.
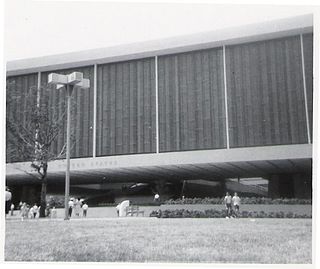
[(69, 89), (71, 81)]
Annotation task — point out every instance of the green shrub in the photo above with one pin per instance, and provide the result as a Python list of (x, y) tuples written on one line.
[(289, 215), (244, 200), (213, 213)]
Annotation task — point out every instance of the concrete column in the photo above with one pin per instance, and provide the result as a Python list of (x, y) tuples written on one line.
[(286, 188), (183, 188), (225, 95), (302, 186), (94, 134), (289, 186), (274, 186), (305, 89)]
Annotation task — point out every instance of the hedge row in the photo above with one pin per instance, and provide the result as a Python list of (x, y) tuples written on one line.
[(244, 200), (213, 213)]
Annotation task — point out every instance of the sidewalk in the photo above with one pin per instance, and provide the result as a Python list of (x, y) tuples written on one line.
[(93, 213)]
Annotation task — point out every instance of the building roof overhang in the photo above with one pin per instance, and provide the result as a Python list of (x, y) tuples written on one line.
[(174, 166), (242, 34)]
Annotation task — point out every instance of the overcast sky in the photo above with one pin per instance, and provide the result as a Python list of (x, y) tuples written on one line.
[(37, 28)]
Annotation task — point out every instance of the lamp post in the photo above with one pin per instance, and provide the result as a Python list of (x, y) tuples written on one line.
[(72, 81)]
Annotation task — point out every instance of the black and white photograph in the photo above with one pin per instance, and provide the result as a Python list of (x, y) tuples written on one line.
[(160, 133)]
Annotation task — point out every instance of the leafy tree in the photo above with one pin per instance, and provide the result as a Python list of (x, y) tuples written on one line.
[(34, 122)]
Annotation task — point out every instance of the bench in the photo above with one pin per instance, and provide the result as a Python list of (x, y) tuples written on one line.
[(133, 210)]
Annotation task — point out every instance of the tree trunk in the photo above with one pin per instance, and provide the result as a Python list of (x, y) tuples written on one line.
[(43, 201)]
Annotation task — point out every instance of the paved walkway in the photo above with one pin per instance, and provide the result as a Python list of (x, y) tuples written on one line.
[(126, 219), (93, 213)]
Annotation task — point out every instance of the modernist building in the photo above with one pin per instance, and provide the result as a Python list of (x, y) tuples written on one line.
[(233, 103)]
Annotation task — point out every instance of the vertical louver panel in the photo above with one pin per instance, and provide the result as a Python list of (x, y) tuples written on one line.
[(265, 93), (191, 101), (308, 65), (18, 106), (126, 108), (81, 113)]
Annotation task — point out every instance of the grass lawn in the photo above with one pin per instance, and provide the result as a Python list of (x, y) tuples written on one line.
[(160, 240)]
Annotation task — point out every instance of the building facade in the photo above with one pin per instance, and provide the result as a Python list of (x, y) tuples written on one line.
[(229, 104)]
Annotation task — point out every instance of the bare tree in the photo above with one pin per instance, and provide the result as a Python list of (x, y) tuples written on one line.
[(34, 122)]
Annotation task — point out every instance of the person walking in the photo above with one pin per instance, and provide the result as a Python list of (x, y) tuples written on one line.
[(53, 213), (20, 208), (227, 202), (35, 209), (8, 197), (156, 198), (77, 208), (236, 203), (84, 210), (70, 204), (30, 212), (12, 209), (118, 209), (24, 211)]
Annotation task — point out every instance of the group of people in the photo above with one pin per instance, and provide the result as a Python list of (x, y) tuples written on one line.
[(28, 212), (76, 206), (232, 205)]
